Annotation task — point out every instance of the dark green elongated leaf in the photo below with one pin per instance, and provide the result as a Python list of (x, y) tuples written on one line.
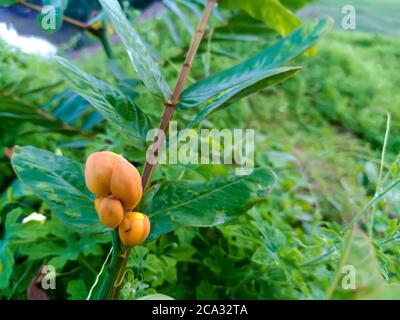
[(192, 6), (172, 29), (40, 89), (59, 182), (272, 12), (142, 61), (242, 26), (111, 103), (17, 110), (69, 110), (266, 79), (173, 204), (221, 87), (77, 290), (171, 5)]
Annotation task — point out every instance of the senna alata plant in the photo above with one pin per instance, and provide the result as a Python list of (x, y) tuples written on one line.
[(128, 205)]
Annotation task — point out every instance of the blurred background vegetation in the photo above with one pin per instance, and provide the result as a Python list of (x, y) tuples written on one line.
[(322, 132)]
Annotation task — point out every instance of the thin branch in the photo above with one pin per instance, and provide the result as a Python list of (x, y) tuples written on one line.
[(379, 183), (375, 199), (170, 106), (71, 21)]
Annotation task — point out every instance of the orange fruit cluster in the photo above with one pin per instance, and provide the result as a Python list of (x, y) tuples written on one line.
[(118, 189)]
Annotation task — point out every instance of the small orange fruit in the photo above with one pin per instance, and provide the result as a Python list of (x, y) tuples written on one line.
[(134, 229), (97, 203), (111, 212), (126, 184)]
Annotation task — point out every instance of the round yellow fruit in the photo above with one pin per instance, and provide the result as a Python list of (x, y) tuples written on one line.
[(126, 184), (134, 229), (111, 212)]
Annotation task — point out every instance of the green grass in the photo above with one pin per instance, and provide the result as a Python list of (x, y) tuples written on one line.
[(357, 89)]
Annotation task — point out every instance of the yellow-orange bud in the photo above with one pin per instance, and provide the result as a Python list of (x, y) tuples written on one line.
[(126, 184), (97, 203), (98, 171), (134, 229), (111, 212)]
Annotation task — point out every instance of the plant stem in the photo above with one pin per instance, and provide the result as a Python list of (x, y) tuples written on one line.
[(170, 106), (118, 263), (359, 215), (106, 44), (379, 182), (101, 33), (71, 21), (120, 275)]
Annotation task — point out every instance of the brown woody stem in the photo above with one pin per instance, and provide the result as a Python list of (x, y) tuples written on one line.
[(71, 21), (170, 106), (169, 109)]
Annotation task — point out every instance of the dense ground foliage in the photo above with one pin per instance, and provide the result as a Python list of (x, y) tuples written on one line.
[(321, 132)]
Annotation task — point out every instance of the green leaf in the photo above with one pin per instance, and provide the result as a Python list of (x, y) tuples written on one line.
[(68, 246), (60, 254), (171, 5), (111, 103), (42, 250), (157, 296), (263, 257), (77, 290), (247, 87), (31, 231), (6, 264), (295, 4), (7, 3), (15, 110), (173, 204), (206, 291), (242, 27), (272, 12), (264, 69), (59, 182), (6, 254), (11, 225), (145, 66)]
